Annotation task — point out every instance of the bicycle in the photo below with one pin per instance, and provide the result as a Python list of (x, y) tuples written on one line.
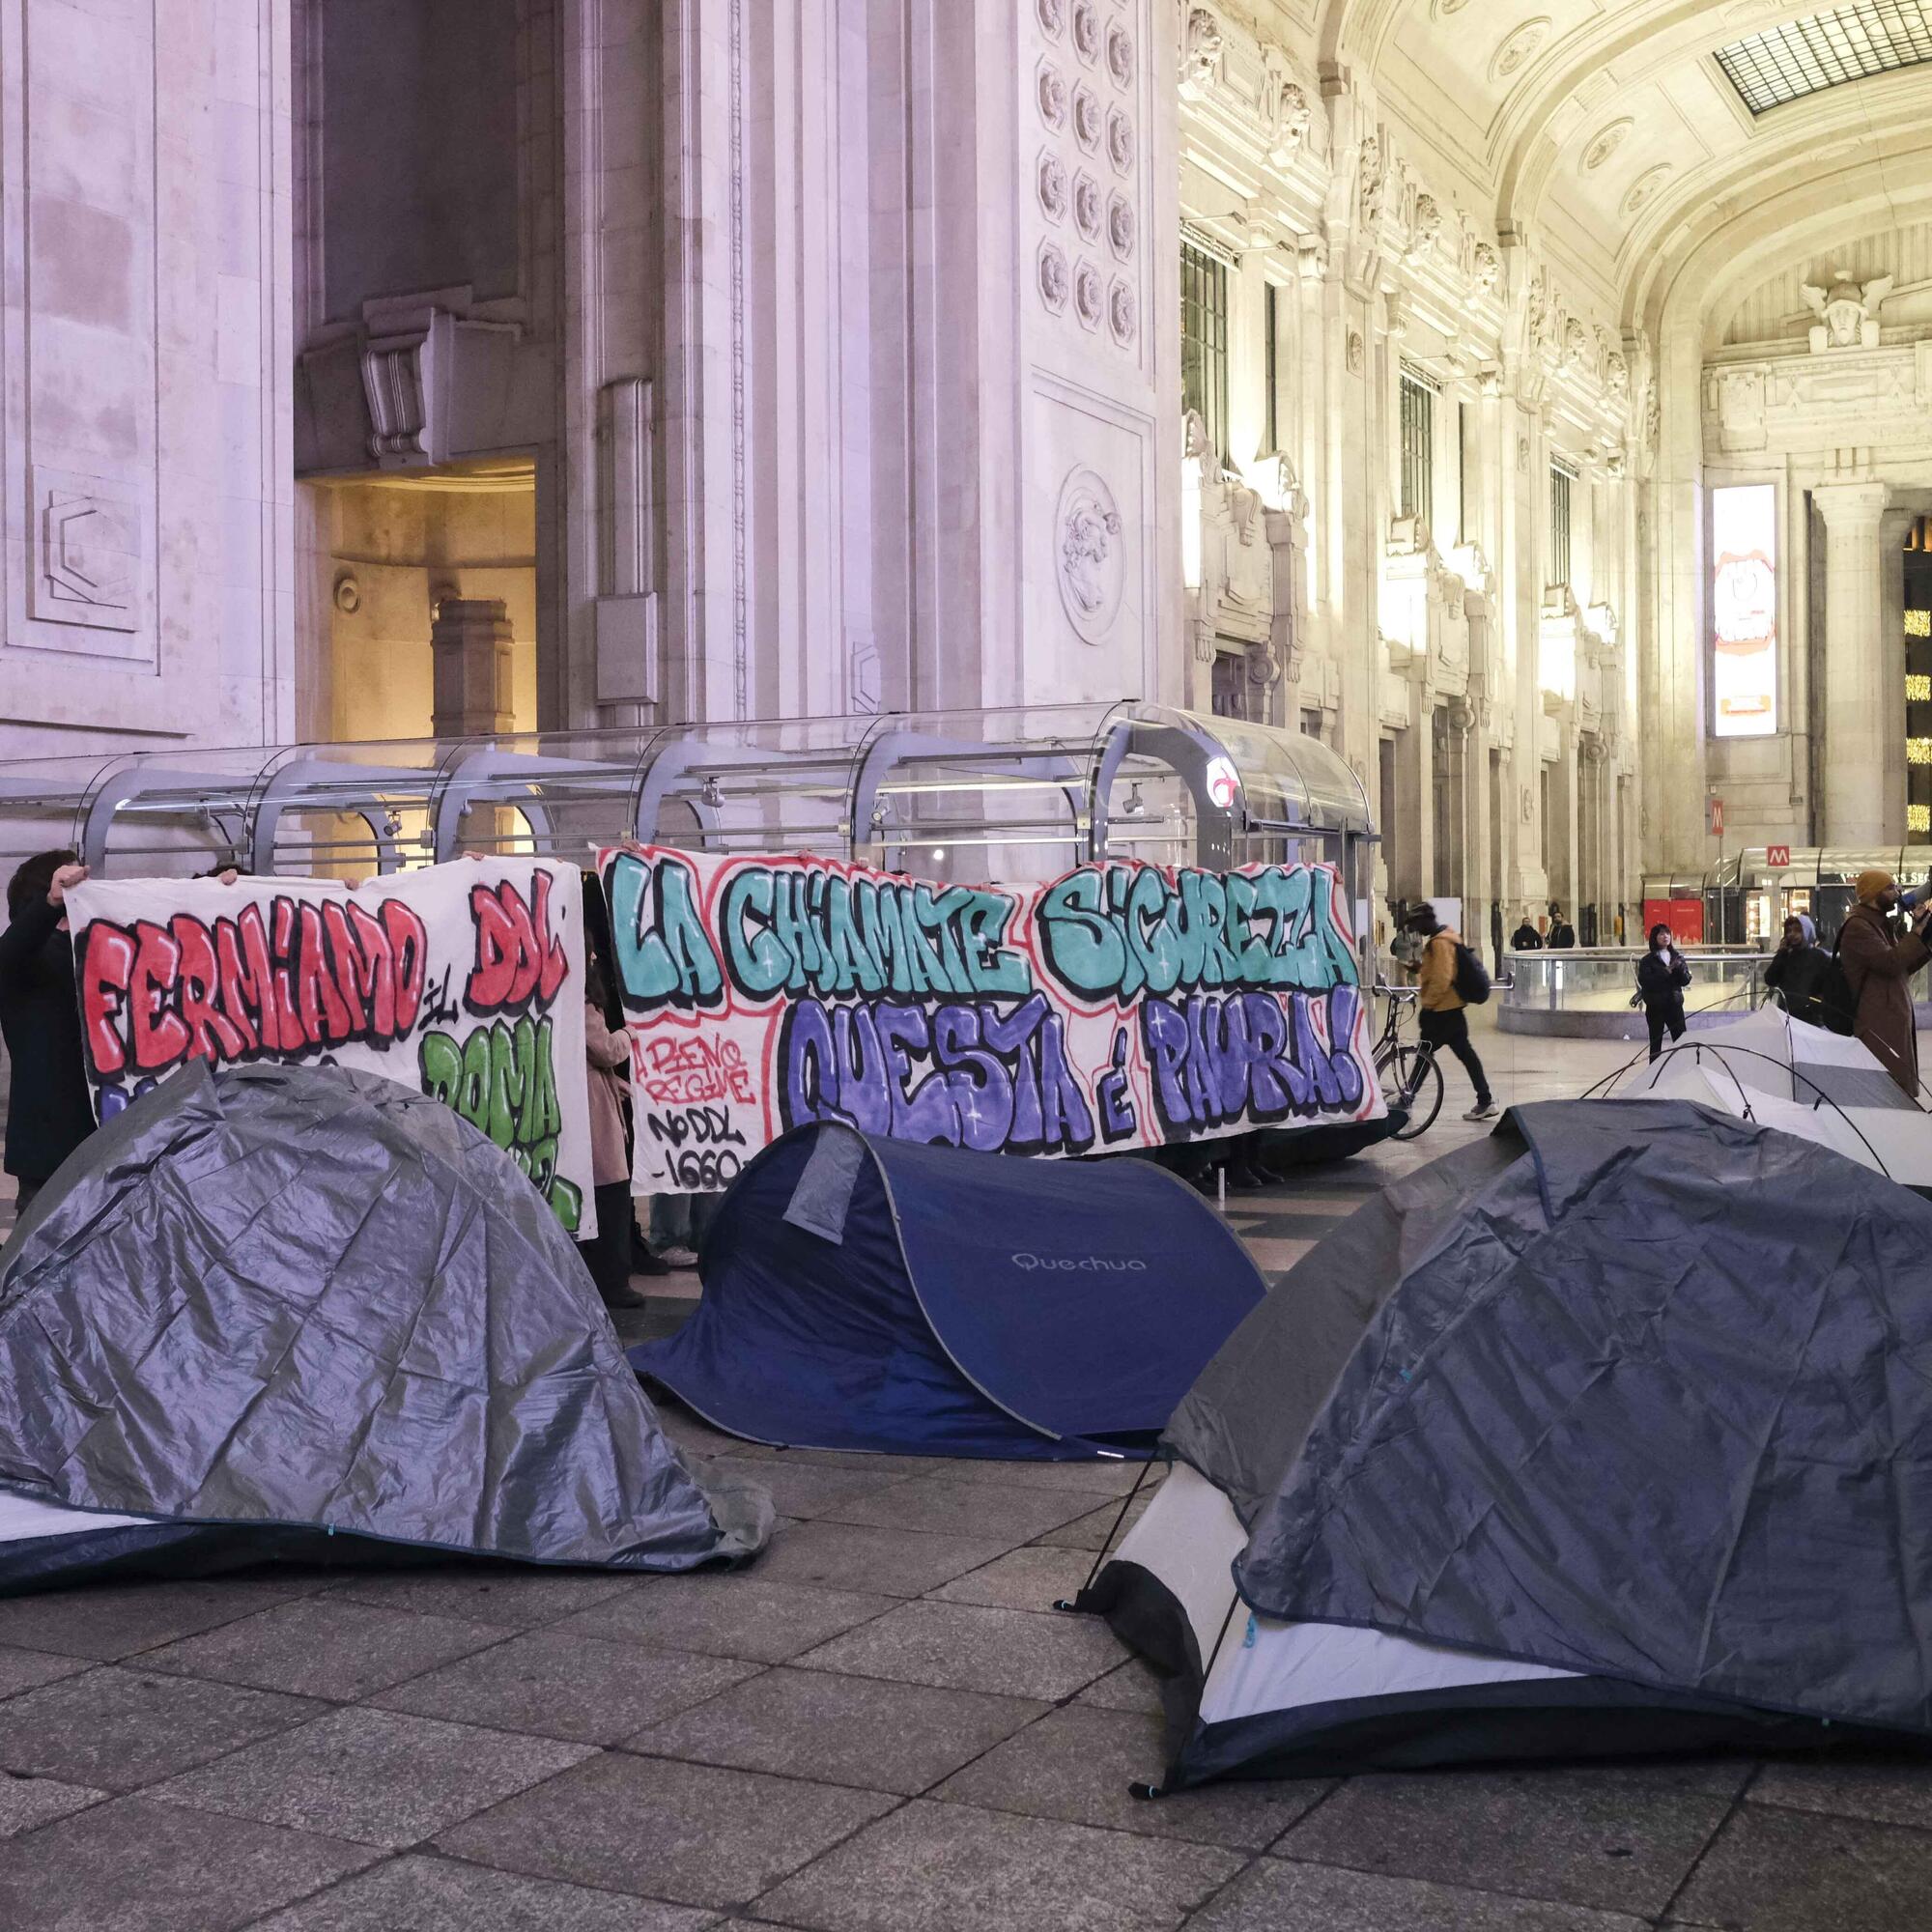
[(1411, 1081)]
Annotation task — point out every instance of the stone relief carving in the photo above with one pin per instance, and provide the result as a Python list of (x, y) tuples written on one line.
[(1052, 275), (1089, 299), (1488, 266), (1354, 354), (90, 562), (1426, 227), (1523, 456), (1087, 118), (1526, 806), (1050, 183), (1374, 180), (1050, 93), (1120, 55), (1617, 373), (1576, 341), (1089, 559), (1051, 16), (393, 387), (1847, 312), (1642, 191), (1520, 48), (1604, 143), (1121, 142), (1285, 113), (1194, 442), (1087, 206), (1121, 226), (1652, 416), (1122, 311), (1086, 30), (1200, 46)]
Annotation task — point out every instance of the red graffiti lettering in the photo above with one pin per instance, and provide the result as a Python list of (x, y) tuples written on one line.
[(106, 968), (688, 1072), (516, 954), (301, 978)]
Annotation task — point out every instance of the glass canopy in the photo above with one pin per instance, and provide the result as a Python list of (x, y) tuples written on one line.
[(1013, 795)]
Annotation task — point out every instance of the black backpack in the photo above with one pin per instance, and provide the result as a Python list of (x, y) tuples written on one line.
[(1835, 1005), (1473, 979)]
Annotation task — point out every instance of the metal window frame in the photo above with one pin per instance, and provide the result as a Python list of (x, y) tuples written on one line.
[(1562, 523), (1203, 331), (1418, 394), (1791, 59)]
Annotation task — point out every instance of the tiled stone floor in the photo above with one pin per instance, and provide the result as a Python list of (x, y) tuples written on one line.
[(880, 1727)]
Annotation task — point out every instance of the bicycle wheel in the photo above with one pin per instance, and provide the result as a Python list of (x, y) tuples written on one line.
[(1411, 1079)]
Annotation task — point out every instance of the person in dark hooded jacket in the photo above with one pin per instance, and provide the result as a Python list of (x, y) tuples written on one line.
[(1799, 971), (49, 1111), (1662, 976)]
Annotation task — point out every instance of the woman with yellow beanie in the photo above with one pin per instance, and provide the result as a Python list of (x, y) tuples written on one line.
[(1879, 964)]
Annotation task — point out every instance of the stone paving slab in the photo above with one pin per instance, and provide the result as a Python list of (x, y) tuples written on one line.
[(847, 1730), (1033, 1579), (1099, 1529), (1622, 1838), (135, 1866), (121, 1728), (1773, 1870), (1890, 1793), (109, 1621), (962, 1647), (969, 1870), (27, 1669), (374, 1778), (862, 1556), (1132, 1686), (558, 1684), (1080, 1762), (425, 1895), (26, 1802), (936, 1505), (1276, 1896), (730, 1614), (326, 1647), (693, 1834), (488, 1593)]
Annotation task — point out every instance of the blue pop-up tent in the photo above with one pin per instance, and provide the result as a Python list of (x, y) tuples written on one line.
[(872, 1294)]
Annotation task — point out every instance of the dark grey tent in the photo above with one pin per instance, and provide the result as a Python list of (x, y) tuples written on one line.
[(1609, 1434), (287, 1312)]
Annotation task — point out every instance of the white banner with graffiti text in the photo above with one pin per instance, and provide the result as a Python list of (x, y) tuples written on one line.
[(464, 980), (1124, 1006)]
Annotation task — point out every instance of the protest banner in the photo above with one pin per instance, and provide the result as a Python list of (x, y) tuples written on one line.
[(1124, 1006), (464, 980)]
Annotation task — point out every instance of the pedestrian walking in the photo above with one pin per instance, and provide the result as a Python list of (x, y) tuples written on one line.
[(49, 1111), (1878, 964), (1662, 976), (1443, 1019), (1799, 972)]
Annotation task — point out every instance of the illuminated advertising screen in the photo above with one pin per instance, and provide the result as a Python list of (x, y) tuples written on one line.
[(1744, 610)]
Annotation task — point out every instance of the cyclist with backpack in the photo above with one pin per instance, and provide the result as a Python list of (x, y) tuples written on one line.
[(1662, 976), (1446, 980)]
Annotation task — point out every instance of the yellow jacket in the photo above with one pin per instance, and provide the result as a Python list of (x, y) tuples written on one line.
[(1436, 974)]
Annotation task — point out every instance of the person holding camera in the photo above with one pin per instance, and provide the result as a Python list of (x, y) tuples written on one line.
[(1799, 972), (1879, 963), (1662, 976)]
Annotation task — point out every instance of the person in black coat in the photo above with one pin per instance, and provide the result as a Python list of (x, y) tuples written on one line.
[(49, 1111), (1799, 971), (1525, 938), (1662, 976), (1562, 934)]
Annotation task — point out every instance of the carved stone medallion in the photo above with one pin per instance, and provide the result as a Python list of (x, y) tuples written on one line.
[(1121, 142), (1086, 30), (1520, 48), (1050, 184), (1087, 118), (1052, 277), (1121, 226), (1051, 16), (1120, 55), (1089, 297), (1089, 553), (1086, 204), (1122, 311), (1050, 94), (1604, 143)]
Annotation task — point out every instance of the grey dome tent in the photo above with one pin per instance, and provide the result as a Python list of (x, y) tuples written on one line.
[(282, 1312), (1609, 1434)]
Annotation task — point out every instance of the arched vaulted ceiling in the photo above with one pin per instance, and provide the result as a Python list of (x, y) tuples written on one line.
[(1607, 133)]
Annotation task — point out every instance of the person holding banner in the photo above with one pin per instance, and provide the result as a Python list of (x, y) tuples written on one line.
[(608, 1253), (48, 1110)]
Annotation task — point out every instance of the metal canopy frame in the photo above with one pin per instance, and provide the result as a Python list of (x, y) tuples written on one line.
[(878, 788)]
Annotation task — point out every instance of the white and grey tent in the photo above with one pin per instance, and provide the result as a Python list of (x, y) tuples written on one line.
[(1606, 1434), (1823, 1087), (298, 1313)]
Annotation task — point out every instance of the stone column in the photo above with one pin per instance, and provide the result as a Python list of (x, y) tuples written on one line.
[(1864, 690), (470, 643)]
